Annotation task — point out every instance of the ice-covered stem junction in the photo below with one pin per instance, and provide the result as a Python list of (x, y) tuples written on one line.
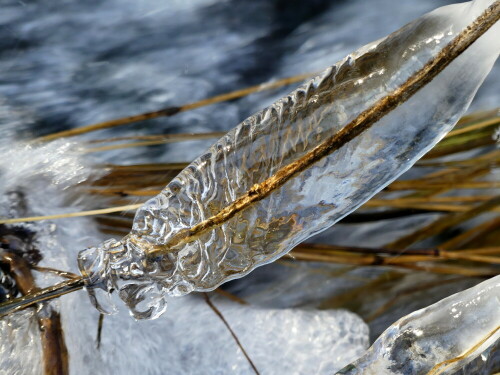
[(300, 165)]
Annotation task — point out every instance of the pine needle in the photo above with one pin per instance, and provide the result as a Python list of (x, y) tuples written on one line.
[(72, 214)]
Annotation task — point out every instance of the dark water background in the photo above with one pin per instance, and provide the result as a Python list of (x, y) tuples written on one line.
[(70, 63)]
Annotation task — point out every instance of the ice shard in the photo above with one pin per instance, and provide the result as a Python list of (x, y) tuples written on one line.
[(438, 339), (238, 206)]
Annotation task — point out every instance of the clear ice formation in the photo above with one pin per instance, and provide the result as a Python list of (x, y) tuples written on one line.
[(314, 199), (429, 340)]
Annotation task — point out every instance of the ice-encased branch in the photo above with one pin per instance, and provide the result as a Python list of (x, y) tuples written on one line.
[(300, 165), (438, 339)]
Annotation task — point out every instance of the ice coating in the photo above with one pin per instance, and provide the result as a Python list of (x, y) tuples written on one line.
[(464, 324), (280, 134), (20, 347)]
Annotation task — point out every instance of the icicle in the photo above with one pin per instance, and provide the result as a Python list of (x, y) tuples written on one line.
[(441, 338), (300, 165)]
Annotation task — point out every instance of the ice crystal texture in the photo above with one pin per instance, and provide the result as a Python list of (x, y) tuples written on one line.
[(20, 347), (462, 325), (278, 135)]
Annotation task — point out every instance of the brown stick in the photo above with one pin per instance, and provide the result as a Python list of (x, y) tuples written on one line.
[(55, 354)]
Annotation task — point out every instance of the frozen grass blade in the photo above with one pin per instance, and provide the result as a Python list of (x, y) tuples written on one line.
[(242, 205), (443, 336)]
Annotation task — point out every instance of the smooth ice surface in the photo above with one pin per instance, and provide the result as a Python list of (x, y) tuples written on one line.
[(453, 327), (280, 134)]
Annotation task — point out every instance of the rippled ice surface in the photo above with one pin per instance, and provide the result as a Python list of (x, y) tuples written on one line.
[(70, 63), (290, 129)]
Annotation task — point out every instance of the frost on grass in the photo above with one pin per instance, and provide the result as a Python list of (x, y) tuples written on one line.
[(314, 199)]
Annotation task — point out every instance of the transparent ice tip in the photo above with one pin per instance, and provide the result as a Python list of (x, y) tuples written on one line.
[(112, 268)]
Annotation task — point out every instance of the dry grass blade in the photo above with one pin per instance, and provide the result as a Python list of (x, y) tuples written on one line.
[(407, 292), (444, 223), (124, 193), (411, 185), (455, 199), (470, 235), (72, 214), (170, 111), (180, 137), (353, 297), (451, 269), (391, 257), (461, 143), (65, 274), (427, 207), (474, 127), (152, 140), (490, 157)]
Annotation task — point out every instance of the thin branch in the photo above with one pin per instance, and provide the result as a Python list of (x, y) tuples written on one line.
[(100, 323), (65, 274), (221, 317), (41, 295)]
